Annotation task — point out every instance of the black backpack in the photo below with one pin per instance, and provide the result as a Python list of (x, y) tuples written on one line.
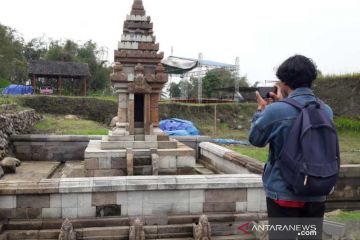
[(310, 160)]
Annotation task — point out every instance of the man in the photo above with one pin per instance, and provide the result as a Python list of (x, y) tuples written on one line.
[(271, 125)]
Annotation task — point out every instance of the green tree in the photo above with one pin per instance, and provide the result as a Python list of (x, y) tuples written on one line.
[(174, 90), (86, 53), (35, 49), (220, 78), (13, 65)]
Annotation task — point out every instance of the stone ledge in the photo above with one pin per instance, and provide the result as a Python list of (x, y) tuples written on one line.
[(54, 138), (135, 183), (251, 164)]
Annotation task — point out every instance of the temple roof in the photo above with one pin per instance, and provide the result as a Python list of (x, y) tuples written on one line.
[(138, 8)]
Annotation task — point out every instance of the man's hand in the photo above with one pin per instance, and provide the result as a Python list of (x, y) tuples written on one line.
[(278, 96), (261, 102)]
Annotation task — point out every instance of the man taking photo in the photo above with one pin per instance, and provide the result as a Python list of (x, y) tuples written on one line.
[(303, 162)]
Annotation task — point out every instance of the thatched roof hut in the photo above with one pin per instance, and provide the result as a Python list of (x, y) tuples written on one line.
[(46, 68), (59, 70)]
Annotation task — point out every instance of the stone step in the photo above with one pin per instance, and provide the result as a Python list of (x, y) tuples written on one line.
[(139, 124), (142, 152), (119, 138), (139, 131), (139, 137), (144, 170), (141, 161), (109, 145)]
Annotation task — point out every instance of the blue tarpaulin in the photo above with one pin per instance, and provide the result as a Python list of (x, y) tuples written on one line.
[(231, 141), (178, 127), (18, 90)]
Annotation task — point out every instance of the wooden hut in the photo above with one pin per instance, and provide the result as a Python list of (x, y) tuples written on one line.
[(61, 71)]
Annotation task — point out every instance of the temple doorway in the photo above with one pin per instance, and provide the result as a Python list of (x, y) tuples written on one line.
[(139, 108)]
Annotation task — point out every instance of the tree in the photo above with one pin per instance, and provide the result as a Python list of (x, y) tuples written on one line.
[(13, 65), (89, 53), (174, 90)]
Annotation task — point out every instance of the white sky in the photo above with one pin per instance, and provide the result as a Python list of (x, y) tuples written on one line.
[(261, 32)]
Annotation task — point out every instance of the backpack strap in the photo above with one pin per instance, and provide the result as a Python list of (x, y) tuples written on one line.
[(293, 103)]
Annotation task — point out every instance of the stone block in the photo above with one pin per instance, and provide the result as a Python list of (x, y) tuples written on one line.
[(118, 163), (99, 199), (55, 201), (197, 196), (84, 200), (166, 196), (135, 203), (69, 200), (220, 207), (150, 138), (105, 163), (51, 213), (7, 213), (255, 199), (91, 163), (226, 195), (108, 172), (167, 145), (185, 161), (8, 201), (69, 212), (84, 212), (166, 161), (196, 207), (241, 207), (121, 198), (33, 201), (28, 213)]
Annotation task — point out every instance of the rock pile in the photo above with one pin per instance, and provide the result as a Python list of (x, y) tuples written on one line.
[(12, 123)]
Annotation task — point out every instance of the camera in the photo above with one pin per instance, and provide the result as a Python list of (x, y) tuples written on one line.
[(267, 95)]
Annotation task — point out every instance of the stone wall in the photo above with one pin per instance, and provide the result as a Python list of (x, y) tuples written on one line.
[(342, 94), (228, 161), (69, 147), (347, 190), (51, 147), (12, 123), (131, 196)]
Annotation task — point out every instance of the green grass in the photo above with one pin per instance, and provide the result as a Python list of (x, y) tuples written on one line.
[(349, 147), (346, 216), (347, 124), (260, 154), (52, 124)]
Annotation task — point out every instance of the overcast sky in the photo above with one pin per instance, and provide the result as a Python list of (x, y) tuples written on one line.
[(261, 32)]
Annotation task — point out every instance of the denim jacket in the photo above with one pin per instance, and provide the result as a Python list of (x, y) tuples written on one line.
[(272, 126)]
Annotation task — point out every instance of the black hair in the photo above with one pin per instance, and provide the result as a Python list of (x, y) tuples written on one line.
[(297, 71)]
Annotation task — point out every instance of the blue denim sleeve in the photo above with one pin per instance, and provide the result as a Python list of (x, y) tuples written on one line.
[(260, 131)]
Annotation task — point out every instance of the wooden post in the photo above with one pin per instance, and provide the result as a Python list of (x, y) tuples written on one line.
[(59, 85), (83, 87), (33, 83)]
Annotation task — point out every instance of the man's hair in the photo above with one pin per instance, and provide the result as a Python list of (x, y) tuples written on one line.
[(297, 71)]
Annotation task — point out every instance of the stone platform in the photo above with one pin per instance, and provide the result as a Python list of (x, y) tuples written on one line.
[(127, 155)]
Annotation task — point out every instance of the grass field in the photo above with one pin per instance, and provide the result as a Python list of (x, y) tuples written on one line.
[(349, 144), (53, 124)]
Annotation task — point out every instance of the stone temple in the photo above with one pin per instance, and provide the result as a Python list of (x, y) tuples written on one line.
[(137, 146), (135, 182)]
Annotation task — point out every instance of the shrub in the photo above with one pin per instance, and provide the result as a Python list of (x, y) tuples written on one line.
[(89, 108)]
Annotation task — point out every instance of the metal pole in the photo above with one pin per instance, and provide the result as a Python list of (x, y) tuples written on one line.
[(200, 78), (237, 75), (215, 119)]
